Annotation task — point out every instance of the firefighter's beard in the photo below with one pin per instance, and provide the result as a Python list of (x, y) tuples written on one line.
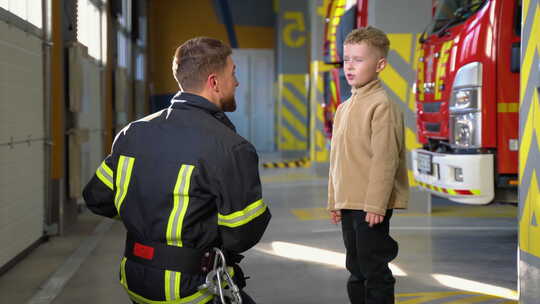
[(229, 104)]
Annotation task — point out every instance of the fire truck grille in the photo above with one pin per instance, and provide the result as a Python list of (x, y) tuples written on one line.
[(432, 107), (432, 127)]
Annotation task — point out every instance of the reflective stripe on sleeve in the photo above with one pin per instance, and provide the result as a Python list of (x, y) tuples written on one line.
[(123, 280), (105, 175), (123, 176), (242, 217), (180, 205)]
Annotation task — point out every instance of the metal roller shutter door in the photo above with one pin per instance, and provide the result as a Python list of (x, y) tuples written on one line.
[(22, 174)]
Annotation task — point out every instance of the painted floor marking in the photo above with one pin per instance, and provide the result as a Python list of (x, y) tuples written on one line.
[(450, 297), (502, 211), (433, 228), (292, 177), (55, 284)]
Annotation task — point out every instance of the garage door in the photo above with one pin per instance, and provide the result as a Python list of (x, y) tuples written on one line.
[(22, 176)]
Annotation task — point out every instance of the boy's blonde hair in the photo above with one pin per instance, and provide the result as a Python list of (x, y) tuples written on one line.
[(374, 37)]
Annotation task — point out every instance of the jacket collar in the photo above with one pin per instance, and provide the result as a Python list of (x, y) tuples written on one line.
[(194, 100), (183, 99), (367, 89)]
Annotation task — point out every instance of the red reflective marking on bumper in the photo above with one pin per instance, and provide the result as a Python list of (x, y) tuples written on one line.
[(444, 190)]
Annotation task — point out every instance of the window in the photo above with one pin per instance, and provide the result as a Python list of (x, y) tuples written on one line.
[(104, 37), (452, 12), (89, 27), (124, 44), (122, 50), (142, 32), (125, 18), (139, 67), (517, 18), (29, 10)]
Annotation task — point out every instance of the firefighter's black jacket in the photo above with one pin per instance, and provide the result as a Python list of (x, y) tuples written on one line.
[(180, 177)]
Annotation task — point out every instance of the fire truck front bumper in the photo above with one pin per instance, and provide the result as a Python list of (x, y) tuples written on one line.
[(463, 178)]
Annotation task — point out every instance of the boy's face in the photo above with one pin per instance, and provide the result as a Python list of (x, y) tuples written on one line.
[(361, 63)]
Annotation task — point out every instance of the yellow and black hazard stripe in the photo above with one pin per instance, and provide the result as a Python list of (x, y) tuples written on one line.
[(404, 62), (300, 163), (292, 112)]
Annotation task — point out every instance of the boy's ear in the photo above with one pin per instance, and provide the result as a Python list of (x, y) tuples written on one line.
[(381, 64)]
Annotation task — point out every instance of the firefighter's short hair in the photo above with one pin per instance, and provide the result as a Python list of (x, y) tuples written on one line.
[(374, 37), (197, 58)]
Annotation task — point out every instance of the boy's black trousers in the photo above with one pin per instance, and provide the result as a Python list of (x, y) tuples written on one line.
[(369, 250)]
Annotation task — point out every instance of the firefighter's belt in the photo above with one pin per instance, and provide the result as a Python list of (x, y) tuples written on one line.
[(165, 257)]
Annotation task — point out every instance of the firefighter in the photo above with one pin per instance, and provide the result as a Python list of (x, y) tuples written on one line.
[(183, 182)]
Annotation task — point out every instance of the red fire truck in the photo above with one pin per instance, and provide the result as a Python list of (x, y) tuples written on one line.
[(467, 93), (467, 97)]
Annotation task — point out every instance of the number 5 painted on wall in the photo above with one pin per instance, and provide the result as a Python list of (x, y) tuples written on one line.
[(296, 24)]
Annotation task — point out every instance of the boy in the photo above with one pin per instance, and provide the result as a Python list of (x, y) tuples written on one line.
[(368, 172)]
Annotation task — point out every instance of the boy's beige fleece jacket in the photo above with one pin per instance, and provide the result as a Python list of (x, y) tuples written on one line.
[(368, 168)]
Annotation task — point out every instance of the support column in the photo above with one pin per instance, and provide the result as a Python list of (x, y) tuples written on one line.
[(57, 194), (292, 70), (529, 156), (318, 144), (403, 21)]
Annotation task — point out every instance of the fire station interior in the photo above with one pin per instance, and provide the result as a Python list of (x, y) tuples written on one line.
[(465, 73)]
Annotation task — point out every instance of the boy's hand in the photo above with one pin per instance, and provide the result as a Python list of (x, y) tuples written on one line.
[(335, 216), (374, 218)]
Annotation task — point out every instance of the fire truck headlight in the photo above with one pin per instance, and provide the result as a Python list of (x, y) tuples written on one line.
[(469, 75), (465, 100), (465, 130), (467, 89)]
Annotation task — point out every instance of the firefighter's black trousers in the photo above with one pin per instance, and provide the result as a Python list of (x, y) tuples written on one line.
[(369, 250), (246, 299)]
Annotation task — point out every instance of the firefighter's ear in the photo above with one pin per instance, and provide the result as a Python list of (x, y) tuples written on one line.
[(212, 81), (381, 64)]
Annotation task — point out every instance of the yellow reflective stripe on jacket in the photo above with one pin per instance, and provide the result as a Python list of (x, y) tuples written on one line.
[(197, 298), (123, 176), (180, 205), (200, 297), (172, 285), (242, 217), (105, 174)]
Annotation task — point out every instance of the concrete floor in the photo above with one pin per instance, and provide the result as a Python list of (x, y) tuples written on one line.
[(457, 254)]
